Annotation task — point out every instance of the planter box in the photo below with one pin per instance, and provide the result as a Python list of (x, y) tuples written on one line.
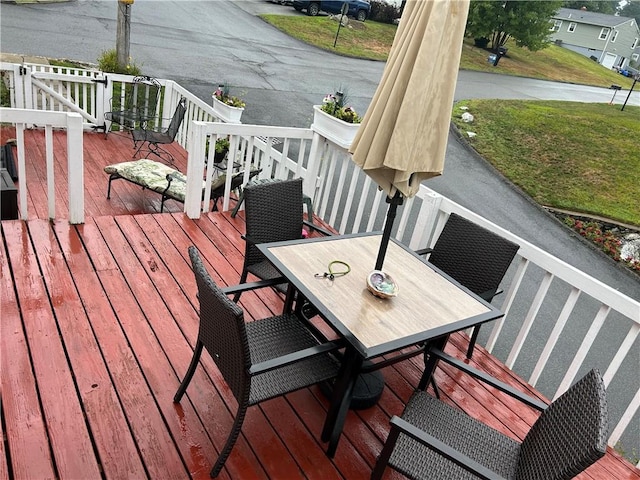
[(338, 131), (226, 112)]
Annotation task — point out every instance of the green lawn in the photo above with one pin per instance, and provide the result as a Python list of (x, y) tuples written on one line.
[(574, 156), (373, 41), (370, 40), (579, 157)]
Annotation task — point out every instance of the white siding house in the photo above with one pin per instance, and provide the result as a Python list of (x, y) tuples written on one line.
[(610, 40)]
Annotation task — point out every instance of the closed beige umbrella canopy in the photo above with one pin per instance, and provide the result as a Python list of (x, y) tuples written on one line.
[(403, 136)]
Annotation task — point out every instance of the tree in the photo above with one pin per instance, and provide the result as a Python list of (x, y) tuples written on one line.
[(608, 7), (632, 10), (525, 21)]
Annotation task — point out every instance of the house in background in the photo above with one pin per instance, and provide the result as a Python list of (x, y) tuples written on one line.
[(610, 40)]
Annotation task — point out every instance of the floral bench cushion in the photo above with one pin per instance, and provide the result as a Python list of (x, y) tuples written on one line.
[(153, 175)]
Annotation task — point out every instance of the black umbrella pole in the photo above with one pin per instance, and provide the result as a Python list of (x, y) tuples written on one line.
[(388, 225)]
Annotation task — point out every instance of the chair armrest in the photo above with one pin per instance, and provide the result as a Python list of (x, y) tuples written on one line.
[(424, 251), (175, 176), (317, 228), (488, 379), (248, 239), (244, 287), (294, 357), (443, 449)]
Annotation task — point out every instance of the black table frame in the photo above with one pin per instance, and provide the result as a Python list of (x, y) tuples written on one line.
[(355, 352)]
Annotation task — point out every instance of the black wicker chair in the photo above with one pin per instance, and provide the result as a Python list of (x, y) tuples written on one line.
[(154, 138), (434, 440), (474, 256), (139, 107), (273, 213), (259, 360)]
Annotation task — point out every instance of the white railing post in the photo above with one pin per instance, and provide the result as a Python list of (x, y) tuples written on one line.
[(310, 182), (29, 94), (426, 219), (195, 167), (22, 171), (75, 166), (18, 88), (51, 184), (104, 96)]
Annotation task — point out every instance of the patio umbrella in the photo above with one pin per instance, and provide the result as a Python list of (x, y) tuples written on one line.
[(403, 137)]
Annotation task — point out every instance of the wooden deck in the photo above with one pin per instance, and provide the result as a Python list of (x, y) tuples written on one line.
[(98, 326)]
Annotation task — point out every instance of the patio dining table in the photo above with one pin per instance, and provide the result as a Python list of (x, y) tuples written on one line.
[(428, 307)]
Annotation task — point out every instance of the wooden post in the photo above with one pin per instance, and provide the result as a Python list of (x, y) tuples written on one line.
[(123, 31)]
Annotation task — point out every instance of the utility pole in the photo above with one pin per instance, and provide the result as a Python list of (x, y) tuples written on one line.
[(123, 32)]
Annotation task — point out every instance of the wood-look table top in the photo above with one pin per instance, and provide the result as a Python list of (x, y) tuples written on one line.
[(428, 303)]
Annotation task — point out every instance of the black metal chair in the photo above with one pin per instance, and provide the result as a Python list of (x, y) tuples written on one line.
[(139, 107), (273, 213), (433, 440), (259, 360), (475, 257), (154, 138)]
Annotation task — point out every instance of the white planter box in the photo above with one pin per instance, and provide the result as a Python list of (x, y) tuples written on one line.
[(226, 112), (338, 131)]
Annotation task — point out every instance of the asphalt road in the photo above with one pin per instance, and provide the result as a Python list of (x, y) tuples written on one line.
[(201, 43)]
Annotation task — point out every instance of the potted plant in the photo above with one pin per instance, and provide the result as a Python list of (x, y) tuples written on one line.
[(228, 107), (222, 147), (335, 120)]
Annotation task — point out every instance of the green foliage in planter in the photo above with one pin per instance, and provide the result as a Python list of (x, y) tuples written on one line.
[(222, 94), (222, 145), (334, 105)]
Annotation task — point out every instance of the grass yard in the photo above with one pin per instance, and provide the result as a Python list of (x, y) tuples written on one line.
[(574, 156), (369, 40), (552, 63), (373, 40)]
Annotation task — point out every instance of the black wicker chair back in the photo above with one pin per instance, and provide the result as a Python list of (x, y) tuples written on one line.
[(475, 257), (273, 213), (222, 331), (433, 440), (570, 435), (259, 360)]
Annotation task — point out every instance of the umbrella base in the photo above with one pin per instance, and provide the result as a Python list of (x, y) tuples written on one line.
[(366, 392)]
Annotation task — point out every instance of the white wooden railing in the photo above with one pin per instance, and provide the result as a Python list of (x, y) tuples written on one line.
[(541, 292), (72, 123)]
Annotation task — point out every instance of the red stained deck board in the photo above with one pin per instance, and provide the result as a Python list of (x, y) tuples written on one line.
[(172, 362), (106, 420), (129, 299), (307, 451), (146, 428), (27, 440), (70, 441), (311, 406)]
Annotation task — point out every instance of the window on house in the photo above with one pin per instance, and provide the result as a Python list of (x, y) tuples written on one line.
[(635, 57), (614, 35), (572, 27), (556, 25), (604, 33), (635, 44)]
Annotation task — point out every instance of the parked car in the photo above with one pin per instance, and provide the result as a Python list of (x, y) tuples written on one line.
[(359, 9)]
